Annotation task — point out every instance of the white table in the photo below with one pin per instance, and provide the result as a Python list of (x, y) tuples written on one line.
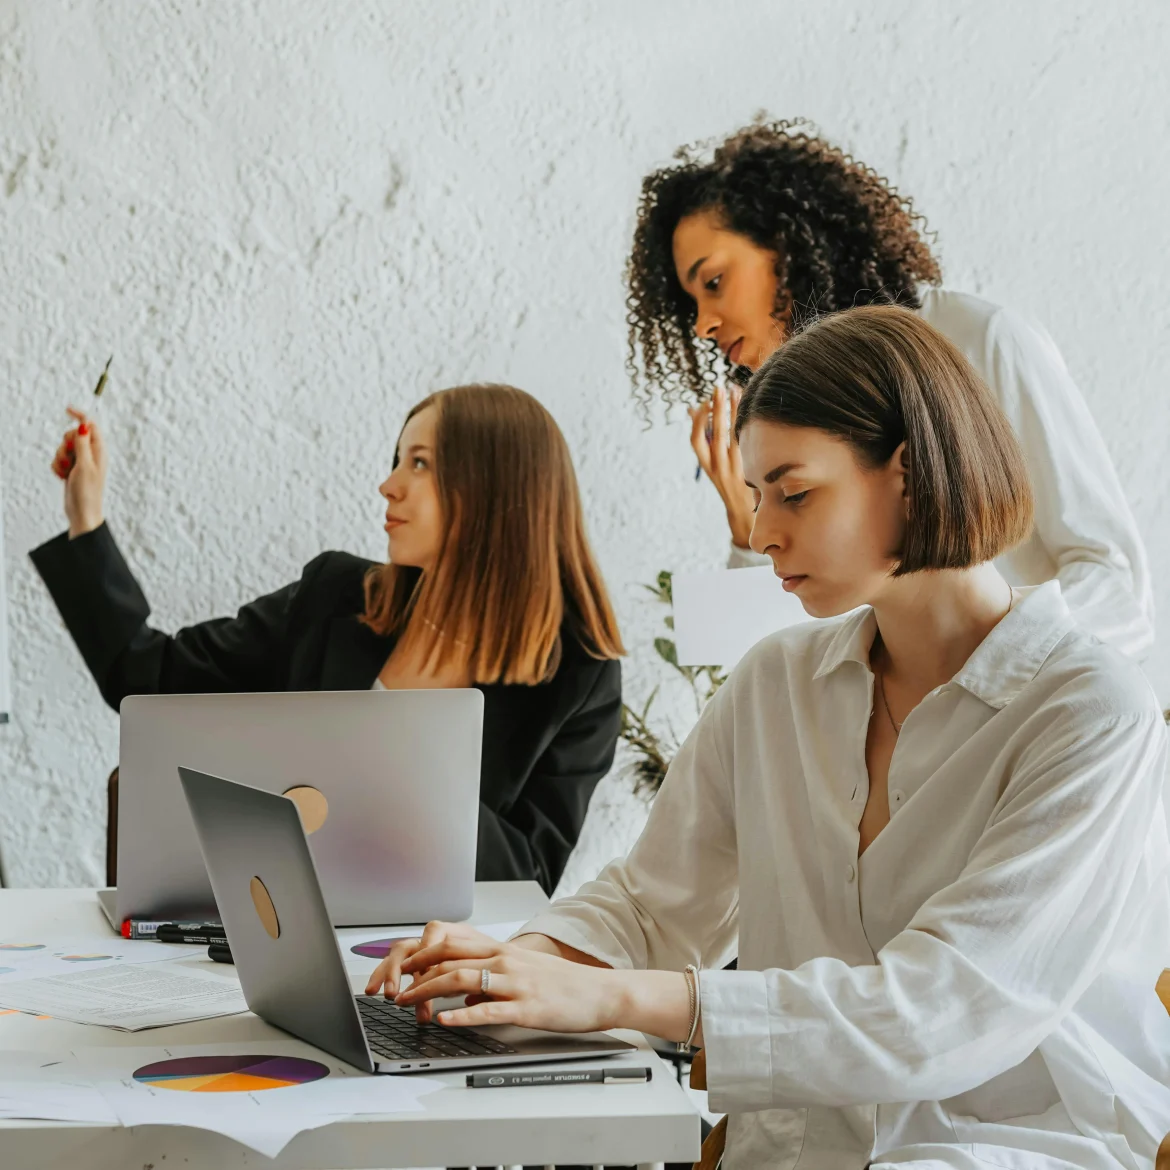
[(582, 1124)]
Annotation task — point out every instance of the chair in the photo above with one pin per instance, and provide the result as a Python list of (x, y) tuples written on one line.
[(712, 1151), (112, 829)]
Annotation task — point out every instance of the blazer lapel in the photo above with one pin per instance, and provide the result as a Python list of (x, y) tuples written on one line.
[(354, 655)]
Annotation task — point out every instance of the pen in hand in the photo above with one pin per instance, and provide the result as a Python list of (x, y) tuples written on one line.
[(70, 456)]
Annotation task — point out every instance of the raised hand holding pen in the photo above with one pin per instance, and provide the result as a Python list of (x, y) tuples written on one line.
[(81, 462), (714, 445)]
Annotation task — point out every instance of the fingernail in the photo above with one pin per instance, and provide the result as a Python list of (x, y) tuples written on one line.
[(68, 444), (83, 429)]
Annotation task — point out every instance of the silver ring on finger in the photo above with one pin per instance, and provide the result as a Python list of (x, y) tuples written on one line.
[(485, 981)]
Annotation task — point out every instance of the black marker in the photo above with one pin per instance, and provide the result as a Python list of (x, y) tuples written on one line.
[(560, 1076), (171, 932), (220, 953)]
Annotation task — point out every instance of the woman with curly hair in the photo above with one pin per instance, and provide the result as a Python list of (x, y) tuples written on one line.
[(733, 252)]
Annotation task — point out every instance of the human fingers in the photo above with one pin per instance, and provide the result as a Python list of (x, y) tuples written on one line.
[(97, 441), (79, 415), (460, 979), (388, 972), (719, 432), (452, 947), (450, 965), (62, 462), (82, 447), (735, 464), (482, 1012), (699, 441)]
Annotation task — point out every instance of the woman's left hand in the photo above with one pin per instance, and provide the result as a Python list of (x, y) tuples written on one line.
[(528, 988)]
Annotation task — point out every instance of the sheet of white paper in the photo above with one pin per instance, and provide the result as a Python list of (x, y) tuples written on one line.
[(49, 1086), (131, 997), (720, 615), (265, 1119), (34, 958)]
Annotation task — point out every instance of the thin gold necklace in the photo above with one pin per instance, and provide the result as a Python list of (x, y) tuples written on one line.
[(882, 676)]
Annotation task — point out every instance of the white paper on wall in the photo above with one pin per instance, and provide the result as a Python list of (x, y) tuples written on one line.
[(5, 692), (720, 615)]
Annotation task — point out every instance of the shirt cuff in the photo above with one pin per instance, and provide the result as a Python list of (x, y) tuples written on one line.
[(737, 1040), (572, 934)]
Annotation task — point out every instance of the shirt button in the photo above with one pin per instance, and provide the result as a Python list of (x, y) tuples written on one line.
[(850, 873)]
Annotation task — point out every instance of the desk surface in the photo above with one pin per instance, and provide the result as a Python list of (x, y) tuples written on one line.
[(591, 1124)]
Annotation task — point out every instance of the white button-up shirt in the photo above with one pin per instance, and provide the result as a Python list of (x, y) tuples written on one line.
[(1084, 535), (979, 986)]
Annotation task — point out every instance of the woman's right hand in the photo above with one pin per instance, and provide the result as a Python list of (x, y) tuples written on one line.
[(81, 462), (719, 457)]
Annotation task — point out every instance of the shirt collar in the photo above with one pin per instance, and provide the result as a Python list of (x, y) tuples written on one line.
[(851, 642), (1011, 656), (1001, 665)]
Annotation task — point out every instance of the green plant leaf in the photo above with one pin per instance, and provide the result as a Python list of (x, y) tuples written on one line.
[(666, 651)]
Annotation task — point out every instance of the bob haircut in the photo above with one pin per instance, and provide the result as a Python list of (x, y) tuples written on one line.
[(879, 375), (515, 563)]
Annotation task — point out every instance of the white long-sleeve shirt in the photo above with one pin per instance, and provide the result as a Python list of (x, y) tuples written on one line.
[(1085, 535), (979, 986)]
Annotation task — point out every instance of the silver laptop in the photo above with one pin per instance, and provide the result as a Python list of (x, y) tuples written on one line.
[(388, 782), (289, 960)]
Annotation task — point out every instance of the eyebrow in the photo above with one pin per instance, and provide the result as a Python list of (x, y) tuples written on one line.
[(694, 268), (777, 472), (412, 449)]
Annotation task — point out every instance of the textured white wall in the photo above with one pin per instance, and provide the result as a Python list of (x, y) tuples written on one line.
[(290, 219)]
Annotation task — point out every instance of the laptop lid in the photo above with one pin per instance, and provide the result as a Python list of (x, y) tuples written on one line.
[(286, 954), (388, 780), (277, 923)]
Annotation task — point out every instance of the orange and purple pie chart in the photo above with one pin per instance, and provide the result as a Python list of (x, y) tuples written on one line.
[(230, 1074), (378, 948)]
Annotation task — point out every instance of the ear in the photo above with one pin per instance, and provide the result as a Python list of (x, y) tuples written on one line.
[(899, 469)]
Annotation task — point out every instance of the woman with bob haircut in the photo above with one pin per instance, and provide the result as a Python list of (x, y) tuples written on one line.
[(490, 584), (948, 943), (736, 247)]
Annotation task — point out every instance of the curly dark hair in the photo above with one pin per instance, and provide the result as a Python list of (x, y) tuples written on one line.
[(843, 237)]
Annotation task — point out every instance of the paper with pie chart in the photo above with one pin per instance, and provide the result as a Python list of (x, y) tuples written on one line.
[(230, 1074), (261, 1093), (36, 958), (379, 947)]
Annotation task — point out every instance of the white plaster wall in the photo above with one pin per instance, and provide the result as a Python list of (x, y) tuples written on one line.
[(290, 219)]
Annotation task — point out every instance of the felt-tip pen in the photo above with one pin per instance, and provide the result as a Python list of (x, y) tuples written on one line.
[(560, 1076), (172, 932), (136, 928)]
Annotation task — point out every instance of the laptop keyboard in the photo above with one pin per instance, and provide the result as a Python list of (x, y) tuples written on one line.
[(393, 1031)]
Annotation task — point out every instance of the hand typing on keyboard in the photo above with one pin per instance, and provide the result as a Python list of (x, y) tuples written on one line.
[(513, 983)]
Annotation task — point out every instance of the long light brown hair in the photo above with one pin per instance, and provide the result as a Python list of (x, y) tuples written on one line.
[(515, 563)]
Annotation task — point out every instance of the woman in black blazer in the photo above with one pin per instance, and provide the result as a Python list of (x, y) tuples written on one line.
[(490, 583)]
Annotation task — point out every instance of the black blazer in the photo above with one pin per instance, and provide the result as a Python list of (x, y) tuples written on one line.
[(545, 747)]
